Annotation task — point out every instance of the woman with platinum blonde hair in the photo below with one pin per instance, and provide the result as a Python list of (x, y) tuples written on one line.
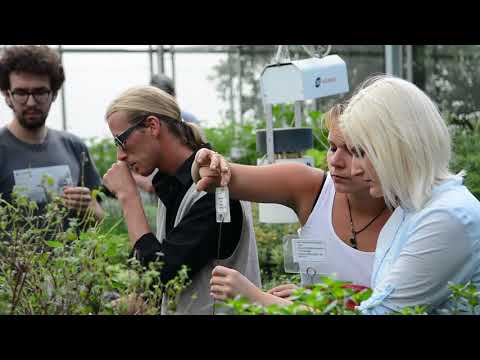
[(402, 146)]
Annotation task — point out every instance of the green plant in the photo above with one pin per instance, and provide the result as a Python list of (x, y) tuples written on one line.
[(466, 156), (230, 136), (242, 138), (329, 297), (269, 239), (319, 158), (45, 269), (464, 299), (103, 153), (333, 297)]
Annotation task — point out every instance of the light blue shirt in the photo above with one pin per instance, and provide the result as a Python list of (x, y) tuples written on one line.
[(419, 253)]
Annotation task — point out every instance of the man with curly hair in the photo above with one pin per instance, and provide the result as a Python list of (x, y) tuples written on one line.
[(30, 78)]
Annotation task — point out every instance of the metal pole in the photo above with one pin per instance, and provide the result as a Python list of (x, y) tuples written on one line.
[(62, 94), (172, 58), (400, 61), (393, 61), (409, 62), (389, 59), (240, 74), (232, 105), (150, 60), (298, 114), (269, 134), (160, 60)]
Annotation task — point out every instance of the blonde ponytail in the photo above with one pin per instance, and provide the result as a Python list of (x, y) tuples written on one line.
[(144, 100)]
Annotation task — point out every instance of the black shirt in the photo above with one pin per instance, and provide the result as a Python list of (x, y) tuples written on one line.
[(194, 241)]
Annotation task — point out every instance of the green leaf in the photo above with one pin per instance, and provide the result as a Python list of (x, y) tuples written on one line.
[(54, 244)]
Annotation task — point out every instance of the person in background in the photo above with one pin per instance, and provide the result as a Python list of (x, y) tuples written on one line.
[(30, 78), (164, 83)]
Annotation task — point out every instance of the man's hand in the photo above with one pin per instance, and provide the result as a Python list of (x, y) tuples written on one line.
[(77, 198), (119, 179)]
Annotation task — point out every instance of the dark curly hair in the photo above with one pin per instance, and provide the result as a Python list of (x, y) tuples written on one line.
[(39, 60)]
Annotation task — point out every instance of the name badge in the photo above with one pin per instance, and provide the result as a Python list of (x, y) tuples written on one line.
[(309, 250), (35, 183)]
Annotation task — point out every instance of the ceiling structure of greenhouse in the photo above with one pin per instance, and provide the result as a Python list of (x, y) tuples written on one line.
[(419, 64)]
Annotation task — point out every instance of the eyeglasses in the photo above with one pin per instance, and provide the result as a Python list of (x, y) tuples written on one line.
[(120, 140), (41, 96)]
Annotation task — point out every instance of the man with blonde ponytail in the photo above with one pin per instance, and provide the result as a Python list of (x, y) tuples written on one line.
[(166, 84), (150, 134)]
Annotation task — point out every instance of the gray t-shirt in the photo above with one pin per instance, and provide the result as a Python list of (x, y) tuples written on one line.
[(60, 157)]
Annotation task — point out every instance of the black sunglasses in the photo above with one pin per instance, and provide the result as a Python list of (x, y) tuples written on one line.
[(120, 140)]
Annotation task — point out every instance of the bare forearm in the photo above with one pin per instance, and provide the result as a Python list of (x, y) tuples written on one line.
[(257, 296), (258, 184), (134, 215), (287, 184), (266, 299)]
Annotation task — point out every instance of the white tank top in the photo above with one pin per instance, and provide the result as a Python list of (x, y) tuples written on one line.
[(347, 263)]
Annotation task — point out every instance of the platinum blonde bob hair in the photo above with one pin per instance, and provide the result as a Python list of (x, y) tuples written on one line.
[(404, 136)]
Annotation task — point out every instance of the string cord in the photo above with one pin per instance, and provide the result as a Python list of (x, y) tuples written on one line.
[(218, 251)]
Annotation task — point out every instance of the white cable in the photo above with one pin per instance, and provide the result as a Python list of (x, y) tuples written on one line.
[(282, 54), (313, 50)]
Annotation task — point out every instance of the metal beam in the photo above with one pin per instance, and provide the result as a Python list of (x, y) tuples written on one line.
[(269, 134), (172, 58), (231, 97), (254, 49), (298, 114), (409, 62), (150, 60), (62, 94), (240, 85), (160, 59)]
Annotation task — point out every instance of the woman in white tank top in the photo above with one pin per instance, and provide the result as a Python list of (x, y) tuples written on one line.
[(333, 208)]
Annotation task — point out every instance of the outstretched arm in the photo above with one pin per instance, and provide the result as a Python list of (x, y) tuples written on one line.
[(290, 184)]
